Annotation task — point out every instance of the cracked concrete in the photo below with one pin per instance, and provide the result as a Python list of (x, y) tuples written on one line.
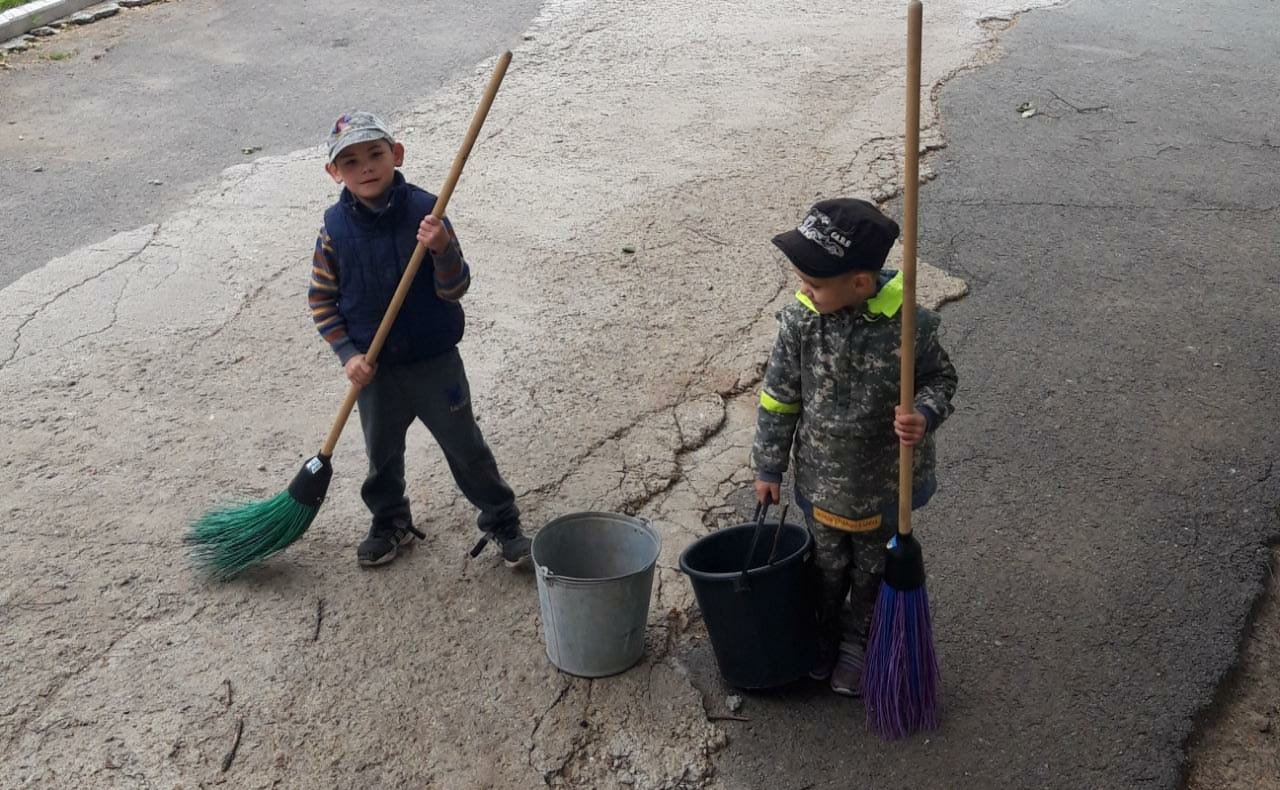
[(173, 365)]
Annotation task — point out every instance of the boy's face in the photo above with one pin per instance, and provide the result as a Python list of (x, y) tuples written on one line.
[(830, 294), (367, 169)]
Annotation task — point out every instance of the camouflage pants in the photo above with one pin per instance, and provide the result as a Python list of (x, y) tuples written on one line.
[(849, 566)]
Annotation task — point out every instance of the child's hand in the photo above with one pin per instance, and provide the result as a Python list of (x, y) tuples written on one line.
[(359, 372), (768, 493), (909, 425), (433, 234)]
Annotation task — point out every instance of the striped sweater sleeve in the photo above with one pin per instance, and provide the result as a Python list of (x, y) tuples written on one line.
[(322, 298), (451, 274)]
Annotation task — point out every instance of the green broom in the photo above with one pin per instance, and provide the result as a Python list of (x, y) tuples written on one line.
[(229, 539)]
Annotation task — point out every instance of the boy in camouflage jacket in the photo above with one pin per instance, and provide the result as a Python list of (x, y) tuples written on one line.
[(831, 396)]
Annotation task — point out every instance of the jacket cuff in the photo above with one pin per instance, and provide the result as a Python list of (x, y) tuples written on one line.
[(769, 477), (345, 350), (448, 260), (930, 418)]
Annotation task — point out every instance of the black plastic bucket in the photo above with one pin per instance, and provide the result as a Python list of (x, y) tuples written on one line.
[(763, 624)]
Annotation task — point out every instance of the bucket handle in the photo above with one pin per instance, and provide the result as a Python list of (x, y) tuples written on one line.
[(546, 574), (741, 584), (777, 533)]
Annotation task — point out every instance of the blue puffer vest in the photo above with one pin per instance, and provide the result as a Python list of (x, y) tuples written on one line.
[(373, 250)]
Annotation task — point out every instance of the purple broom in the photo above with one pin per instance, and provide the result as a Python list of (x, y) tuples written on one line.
[(900, 680)]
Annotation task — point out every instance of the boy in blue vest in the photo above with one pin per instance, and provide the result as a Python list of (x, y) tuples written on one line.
[(363, 249)]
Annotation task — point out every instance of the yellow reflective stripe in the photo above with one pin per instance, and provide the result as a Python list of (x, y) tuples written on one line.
[(806, 301), (775, 406), (888, 299)]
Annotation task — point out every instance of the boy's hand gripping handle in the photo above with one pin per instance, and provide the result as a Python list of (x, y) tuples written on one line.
[(910, 206), (420, 251)]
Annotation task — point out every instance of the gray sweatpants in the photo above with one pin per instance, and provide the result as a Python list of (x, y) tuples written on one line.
[(435, 391), (849, 567)]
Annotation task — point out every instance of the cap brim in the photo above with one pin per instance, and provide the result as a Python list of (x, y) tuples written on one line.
[(355, 138), (803, 254)]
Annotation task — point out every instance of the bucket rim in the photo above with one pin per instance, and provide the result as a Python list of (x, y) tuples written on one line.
[(777, 566), (636, 521)]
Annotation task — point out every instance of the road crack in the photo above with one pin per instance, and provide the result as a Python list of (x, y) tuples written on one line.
[(22, 325)]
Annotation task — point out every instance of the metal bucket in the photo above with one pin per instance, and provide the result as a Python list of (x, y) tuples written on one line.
[(595, 578)]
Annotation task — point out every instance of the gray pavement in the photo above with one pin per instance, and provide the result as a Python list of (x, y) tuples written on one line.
[(1109, 480), (174, 92)]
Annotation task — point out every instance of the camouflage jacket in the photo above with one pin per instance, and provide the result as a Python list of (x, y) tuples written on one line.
[(829, 394)]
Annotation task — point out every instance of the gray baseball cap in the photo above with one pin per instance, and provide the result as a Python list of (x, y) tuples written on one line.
[(356, 127)]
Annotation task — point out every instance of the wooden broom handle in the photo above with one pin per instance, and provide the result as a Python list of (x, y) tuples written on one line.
[(910, 205), (420, 251)]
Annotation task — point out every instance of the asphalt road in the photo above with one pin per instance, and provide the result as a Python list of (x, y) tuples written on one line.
[(1109, 479), (173, 93)]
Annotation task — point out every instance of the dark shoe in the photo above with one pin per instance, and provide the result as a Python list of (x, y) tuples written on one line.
[(826, 659), (515, 546), (846, 677), (511, 542), (383, 542)]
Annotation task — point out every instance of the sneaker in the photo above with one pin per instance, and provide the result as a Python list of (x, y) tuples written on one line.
[(515, 547), (827, 655), (383, 542), (846, 677)]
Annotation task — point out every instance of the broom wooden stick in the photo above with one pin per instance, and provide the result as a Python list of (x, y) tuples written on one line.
[(227, 540), (910, 209)]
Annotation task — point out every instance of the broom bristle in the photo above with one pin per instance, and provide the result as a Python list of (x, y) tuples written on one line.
[(900, 682), (227, 540)]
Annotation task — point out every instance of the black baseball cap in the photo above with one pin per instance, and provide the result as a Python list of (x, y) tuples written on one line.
[(838, 236)]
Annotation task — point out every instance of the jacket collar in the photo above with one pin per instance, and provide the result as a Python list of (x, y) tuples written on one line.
[(888, 298), (886, 303), (395, 198)]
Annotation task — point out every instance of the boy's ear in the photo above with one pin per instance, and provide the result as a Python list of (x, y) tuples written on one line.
[(332, 170), (397, 150)]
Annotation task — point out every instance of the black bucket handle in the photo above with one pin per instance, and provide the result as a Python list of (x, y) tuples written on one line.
[(741, 584), (777, 533)]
